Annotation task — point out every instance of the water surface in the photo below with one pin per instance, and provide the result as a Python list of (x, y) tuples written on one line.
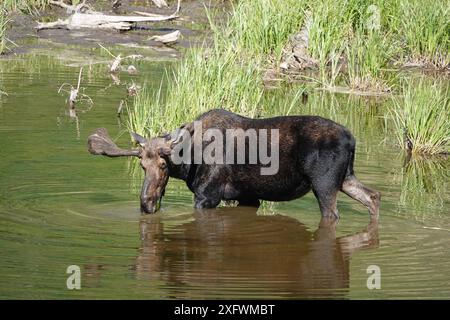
[(60, 206)]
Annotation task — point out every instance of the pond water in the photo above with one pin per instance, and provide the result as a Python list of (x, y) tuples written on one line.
[(60, 206)]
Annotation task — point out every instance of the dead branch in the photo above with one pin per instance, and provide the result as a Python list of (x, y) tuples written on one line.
[(74, 93), (120, 108), (147, 14), (115, 66), (160, 3), (81, 7)]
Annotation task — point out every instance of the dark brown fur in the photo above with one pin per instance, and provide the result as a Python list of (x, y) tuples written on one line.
[(315, 154)]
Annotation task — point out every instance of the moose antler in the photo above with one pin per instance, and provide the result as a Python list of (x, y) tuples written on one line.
[(100, 143)]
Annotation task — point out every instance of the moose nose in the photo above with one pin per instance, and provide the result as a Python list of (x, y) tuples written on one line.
[(149, 206)]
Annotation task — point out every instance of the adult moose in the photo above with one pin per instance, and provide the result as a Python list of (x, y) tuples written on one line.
[(314, 154)]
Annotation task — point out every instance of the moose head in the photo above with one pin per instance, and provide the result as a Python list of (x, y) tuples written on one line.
[(154, 157)]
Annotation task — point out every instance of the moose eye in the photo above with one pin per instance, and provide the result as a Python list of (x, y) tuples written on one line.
[(162, 165)]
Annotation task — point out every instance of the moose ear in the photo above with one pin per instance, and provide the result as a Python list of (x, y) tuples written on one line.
[(139, 139), (178, 134)]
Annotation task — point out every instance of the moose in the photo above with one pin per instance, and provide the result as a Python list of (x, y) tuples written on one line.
[(314, 153)]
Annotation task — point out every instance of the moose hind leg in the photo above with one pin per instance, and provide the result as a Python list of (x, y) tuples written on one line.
[(368, 197), (327, 199), (326, 185)]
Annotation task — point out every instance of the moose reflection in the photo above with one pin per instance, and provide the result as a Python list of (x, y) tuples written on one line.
[(232, 250)]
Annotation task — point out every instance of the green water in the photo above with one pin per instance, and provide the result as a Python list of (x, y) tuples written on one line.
[(60, 206)]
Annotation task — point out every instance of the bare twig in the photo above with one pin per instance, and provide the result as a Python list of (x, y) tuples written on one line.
[(81, 7), (79, 78), (115, 66), (74, 93), (120, 108), (160, 3), (109, 52), (173, 15)]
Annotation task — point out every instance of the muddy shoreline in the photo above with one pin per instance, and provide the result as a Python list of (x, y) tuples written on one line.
[(192, 23)]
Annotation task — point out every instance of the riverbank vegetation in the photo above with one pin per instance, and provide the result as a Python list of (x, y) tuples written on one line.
[(28, 6), (3, 25), (424, 183), (8, 6), (422, 117), (351, 46), (358, 44)]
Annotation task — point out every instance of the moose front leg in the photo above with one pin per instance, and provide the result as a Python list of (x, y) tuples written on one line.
[(202, 201), (208, 196)]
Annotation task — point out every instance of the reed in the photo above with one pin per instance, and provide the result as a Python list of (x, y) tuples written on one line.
[(3, 25), (424, 183), (422, 117), (28, 6), (425, 30), (263, 27), (350, 48)]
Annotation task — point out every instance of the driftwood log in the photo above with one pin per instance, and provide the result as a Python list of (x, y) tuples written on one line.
[(98, 20)]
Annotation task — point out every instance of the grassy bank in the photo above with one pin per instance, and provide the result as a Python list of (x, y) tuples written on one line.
[(28, 6), (3, 25), (424, 183), (8, 6), (354, 42), (422, 117), (227, 74), (425, 31)]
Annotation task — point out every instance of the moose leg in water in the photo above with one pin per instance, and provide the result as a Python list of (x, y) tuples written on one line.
[(368, 197), (327, 174), (206, 196)]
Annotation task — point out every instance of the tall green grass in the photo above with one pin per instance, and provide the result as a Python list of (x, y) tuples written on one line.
[(228, 73), (422, 117), (202, 82), (262, 27), (29, 6), (368, 55), (425, 30), (3, 24), (330, 30), (6, 6), (424, 186)]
